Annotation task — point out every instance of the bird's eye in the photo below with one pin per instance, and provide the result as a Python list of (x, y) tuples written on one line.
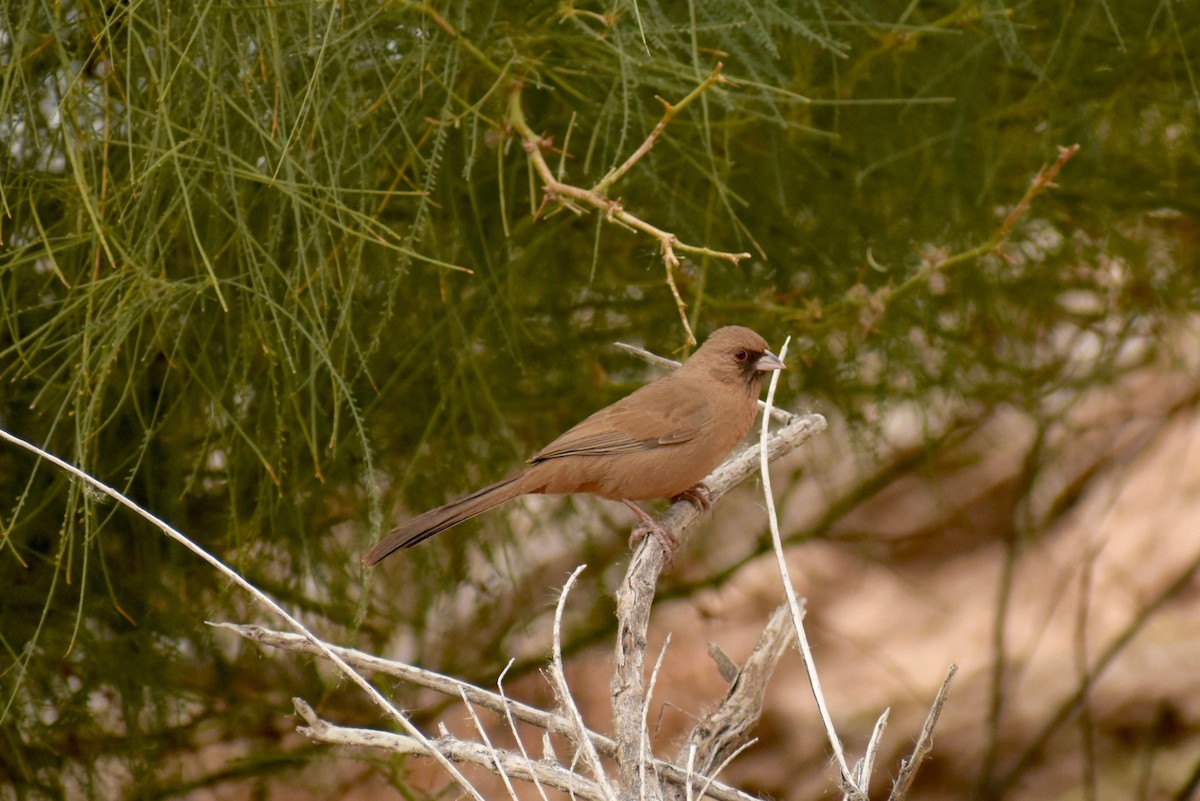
[(741, 355)]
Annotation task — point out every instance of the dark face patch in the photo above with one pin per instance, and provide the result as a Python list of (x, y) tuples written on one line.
[(747, 361)]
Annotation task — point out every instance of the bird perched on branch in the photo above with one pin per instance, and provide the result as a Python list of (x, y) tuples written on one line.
[(658, 442)]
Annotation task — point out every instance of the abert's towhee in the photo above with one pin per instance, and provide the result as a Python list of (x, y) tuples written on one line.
[(658, 442)]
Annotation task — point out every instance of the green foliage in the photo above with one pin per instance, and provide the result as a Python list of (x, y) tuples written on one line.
[(275, 269)]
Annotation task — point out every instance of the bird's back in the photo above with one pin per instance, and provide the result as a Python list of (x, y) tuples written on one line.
[(654, 443)]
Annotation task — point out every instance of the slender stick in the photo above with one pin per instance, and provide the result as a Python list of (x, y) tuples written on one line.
[(512, 726), (793, 602), (597, 197), (582, 741), (908, 767)]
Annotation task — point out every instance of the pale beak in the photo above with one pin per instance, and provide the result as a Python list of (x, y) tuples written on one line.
[(768, 361)]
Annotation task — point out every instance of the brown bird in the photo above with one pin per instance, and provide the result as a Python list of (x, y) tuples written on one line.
[(658, 442)]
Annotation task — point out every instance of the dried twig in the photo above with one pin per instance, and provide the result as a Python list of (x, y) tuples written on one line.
[(725, 731), (512, 727), (487, 743), (451, 748), (653, 358), (704, 791), (451, 687), (1041, 182), (669, 111), (647, 755), (848, 783), (420, 677), (908, 767), (597, 196), (855, 784), (866, 766), (559, 677)]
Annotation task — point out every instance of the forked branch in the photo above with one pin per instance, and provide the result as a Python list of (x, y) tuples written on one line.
[(597, 196)]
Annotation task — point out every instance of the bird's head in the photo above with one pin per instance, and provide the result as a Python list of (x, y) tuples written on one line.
[(735, 355)]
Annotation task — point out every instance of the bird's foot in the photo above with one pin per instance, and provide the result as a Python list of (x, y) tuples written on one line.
[(698, 496), (668, 540)]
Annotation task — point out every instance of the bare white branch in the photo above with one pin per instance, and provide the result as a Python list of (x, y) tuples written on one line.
[(580, 734), (924, 744), (866, 766), (725, 762), (548, 721), (422, 678), (653, 358), (691, 769), (725, 730), (450, 748), (512, 726), (487, 743), (793, 602), (646, 755)]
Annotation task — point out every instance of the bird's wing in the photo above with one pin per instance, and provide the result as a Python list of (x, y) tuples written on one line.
[(648, 418)]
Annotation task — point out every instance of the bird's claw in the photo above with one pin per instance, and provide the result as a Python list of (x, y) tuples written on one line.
[(698, 496), (667, 539)]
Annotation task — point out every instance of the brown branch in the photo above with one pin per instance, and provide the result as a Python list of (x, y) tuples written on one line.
[(1040, 183), (617, 173), (597, 197)]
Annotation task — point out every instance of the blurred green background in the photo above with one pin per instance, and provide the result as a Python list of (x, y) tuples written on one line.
[(275, 272)]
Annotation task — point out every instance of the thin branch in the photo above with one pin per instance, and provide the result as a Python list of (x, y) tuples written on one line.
[(450, 748), (670, 110), (487, 743), (704, 791), (580, 735), (691, 770), (512, 726), (909, 767), (647, 756), (1041, 182), (494, 702), (814, 681), (653, 358), (726, 729), (420, 677), (571, 196), (866, 766)]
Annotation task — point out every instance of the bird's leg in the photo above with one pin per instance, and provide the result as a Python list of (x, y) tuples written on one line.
[(697, 495), (649, 525)]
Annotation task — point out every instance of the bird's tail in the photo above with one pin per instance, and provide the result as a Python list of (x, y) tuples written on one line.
[(424, 526)]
